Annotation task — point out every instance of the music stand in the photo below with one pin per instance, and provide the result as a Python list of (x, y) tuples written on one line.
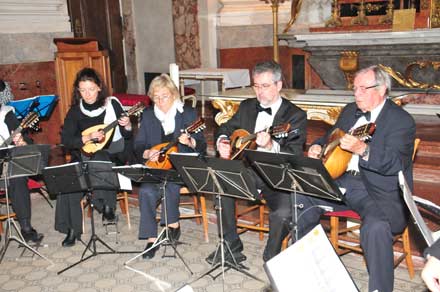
[(222, 178), (17, 162), (83, 177), (293, 174), (142, 174), (42, 104)]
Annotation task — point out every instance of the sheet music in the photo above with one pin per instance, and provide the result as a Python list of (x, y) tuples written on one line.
[(314, 264), (420, 223)]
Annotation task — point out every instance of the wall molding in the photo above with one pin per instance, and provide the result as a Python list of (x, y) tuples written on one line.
[(30, 16)]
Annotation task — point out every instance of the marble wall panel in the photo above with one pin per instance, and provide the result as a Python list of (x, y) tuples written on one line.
[(28, 74)]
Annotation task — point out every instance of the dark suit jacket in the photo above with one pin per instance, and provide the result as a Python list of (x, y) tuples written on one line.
[(246, 117), (391, 150), (434, 249), (150, 132)]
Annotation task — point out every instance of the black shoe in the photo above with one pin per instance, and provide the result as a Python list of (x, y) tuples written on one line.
[(238, 256), (150, 254), (32, 235), (108, 214), (70, 239), (174, 233)]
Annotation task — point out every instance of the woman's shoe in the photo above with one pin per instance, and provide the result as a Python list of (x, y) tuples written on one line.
[(150, 254), (70, 239)]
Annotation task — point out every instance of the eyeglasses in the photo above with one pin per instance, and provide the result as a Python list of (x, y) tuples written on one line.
[(84, 90), (263, 86), (364, 88), (160, 98)]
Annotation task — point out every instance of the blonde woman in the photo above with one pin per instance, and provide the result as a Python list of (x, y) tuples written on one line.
[(163, 122)]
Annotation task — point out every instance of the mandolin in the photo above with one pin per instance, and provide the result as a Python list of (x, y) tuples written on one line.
[(334, 157), (241, 139), (165, 149), (28, 122), (91, 147)]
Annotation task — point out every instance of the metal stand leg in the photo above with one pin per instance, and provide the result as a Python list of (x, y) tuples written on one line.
[(222, 247), (10, 222), (163, 237)]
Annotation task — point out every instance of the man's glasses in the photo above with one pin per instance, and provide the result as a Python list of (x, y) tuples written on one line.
[(160, 98), (364, 88), (263, 86)]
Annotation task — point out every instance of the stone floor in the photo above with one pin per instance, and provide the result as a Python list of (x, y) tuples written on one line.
[(107, 272)]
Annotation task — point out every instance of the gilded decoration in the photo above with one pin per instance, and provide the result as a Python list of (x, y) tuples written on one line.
[(435, 13), (228, 108), (295, 8), (348, 63), (407, 79)]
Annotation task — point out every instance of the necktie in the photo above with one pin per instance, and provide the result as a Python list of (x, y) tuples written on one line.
[(360, 113), (262, 109)]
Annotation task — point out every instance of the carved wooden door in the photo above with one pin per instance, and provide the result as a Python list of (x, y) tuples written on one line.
[(101, 19)]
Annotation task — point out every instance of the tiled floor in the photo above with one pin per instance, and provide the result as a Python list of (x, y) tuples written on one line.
[(108, 272)]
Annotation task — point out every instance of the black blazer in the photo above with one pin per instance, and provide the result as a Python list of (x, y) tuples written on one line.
[(150, 132), (391, 150), (434, 249), (246, 117)]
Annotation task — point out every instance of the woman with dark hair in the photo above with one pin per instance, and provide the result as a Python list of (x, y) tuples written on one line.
[(164, 122), (91, 106)]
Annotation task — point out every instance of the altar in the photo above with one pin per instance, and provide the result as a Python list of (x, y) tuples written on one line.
[(319, 104)]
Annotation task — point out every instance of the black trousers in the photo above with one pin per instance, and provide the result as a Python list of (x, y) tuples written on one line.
[(21, 202), (68, 213), (376, 230), (279, 217)]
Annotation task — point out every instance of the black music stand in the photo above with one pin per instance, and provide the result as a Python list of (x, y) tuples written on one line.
[(144, 174), (17, 162), (83, 177), (219, 177), (294, 174)]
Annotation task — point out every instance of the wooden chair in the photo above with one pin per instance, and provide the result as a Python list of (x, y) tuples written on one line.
[(4, 216), (255, 223), (346, 239), (199, 210), (121, 197)]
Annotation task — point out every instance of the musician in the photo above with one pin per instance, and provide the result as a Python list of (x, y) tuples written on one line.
[(255, 115), (18, 191), (91, 106), (370, 184), (431, 271), (164, 122)]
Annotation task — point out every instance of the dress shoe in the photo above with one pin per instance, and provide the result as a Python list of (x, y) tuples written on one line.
[(108, 213), (32, 235), (174, 233), (238, 256), (150, 254), (70, 239), (236, 247)]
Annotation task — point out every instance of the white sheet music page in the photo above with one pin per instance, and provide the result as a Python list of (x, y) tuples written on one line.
[(311, 264)]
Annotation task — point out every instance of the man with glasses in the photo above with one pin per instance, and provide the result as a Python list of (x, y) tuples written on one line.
[(255, 115), (370, 184)]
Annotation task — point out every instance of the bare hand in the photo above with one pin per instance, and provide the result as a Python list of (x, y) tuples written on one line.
[(224, 148), (96, 136), (352, 144), (314, 151), (186, 139), (18, 140), (431, 274), (151, 155), (264, 140), (125, 122)]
